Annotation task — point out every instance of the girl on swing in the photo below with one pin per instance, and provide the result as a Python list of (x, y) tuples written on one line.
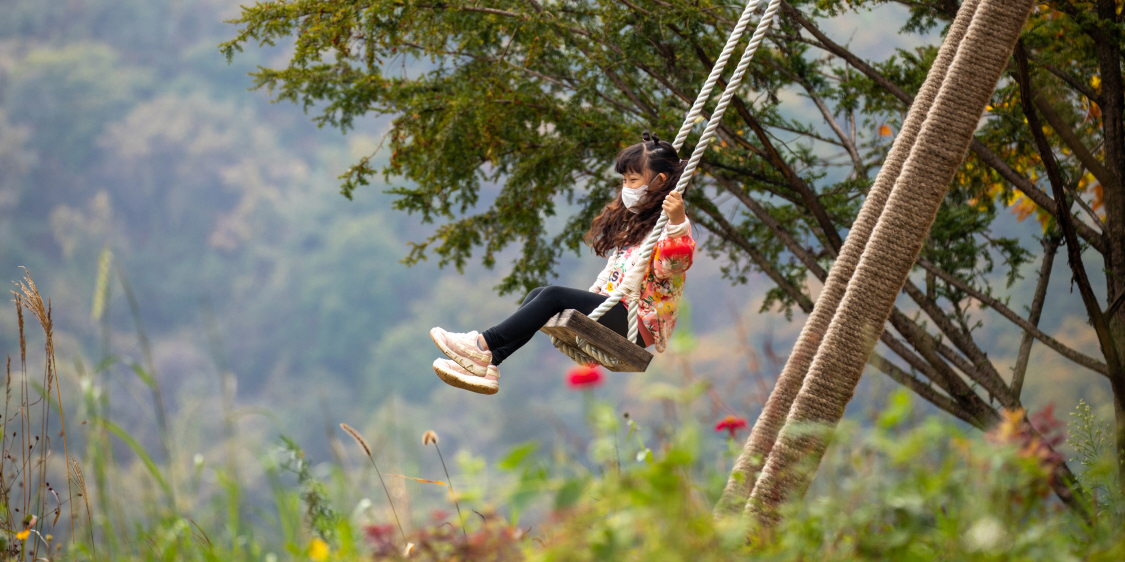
[(649, 171)]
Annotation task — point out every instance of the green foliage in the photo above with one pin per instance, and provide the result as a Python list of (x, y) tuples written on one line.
[(1092, 440), (320, 516), (893, 492), (538, 98)]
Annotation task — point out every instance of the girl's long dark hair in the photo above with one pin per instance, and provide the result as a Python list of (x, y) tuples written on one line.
[(617, 226)]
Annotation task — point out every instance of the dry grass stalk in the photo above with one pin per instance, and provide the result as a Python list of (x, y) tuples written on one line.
[(367, 449), (430, 436), (32, 461), (80, 483)]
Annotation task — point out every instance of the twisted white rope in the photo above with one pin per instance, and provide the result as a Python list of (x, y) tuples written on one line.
[(704, 141), (716, 72), (574, 353)]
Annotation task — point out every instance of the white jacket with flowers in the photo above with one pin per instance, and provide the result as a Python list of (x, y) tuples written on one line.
[(663, 279)]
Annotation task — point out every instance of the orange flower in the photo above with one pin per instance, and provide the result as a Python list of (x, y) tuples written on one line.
[(584, 377)]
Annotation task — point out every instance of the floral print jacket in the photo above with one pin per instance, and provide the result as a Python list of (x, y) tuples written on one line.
[(663, 280)]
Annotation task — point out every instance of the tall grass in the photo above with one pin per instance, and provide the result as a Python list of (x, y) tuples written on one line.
[(895, 491), (30, 506)]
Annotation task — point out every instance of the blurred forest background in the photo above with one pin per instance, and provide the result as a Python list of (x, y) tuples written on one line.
[(123, 129)]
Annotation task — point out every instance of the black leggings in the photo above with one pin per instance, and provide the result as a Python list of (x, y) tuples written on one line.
[(538, 307)]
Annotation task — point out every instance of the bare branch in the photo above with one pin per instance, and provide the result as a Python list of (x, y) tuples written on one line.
[(1070, 80), (983, 152), (775, 227), (1050, 246), (727, 232), (924, 390), (937, 369), (1037, 196), (1075, 144), (982, 369), (829, 118), (1073, 355), (1073, 252), (774, 157)]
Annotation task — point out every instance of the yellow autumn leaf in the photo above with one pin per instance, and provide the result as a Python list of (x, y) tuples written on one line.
[(318, 550)]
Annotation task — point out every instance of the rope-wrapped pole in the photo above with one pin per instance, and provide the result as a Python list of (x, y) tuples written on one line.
[(757, 447), (890, 253), (704, 141)]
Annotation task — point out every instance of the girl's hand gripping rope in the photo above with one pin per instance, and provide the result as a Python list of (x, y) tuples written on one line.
[(674, 208)]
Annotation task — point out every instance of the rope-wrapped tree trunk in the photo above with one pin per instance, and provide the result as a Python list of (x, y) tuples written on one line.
[(757, 447), (893, 247)]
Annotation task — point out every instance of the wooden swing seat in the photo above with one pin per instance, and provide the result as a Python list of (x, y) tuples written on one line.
[(570, 324)]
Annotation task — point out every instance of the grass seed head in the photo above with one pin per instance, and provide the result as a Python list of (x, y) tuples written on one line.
[(429, 437), (358, 438)]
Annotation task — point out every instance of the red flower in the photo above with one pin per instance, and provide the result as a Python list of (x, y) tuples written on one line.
[(584, 377), (731, 424)]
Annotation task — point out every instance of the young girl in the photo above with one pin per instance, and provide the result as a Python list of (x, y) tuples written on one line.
[(649, 171)]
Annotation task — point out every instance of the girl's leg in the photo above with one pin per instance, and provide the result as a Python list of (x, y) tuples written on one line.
[(540, 305)]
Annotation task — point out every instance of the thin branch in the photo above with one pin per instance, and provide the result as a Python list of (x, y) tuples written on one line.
[(728, 232), (991, 302), (1050, 246), (939, 371), (838, 50), (982, 369), (1037, 196), (1073, 251), (845, 140), (1075, 144), (1070, 80), (983, 152), (774, 157), (775, 227), (924, 390)]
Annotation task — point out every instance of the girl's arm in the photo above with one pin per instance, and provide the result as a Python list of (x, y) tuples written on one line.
[(603, 278)]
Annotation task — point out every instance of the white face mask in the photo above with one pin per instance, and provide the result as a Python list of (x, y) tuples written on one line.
[(632, 197)]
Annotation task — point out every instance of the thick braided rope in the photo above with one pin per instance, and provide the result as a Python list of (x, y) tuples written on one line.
[(893, 247), (689, 122), (758, 445), (697, 155)]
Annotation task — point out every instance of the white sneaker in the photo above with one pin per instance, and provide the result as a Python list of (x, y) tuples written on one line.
[(453, 375), (463, 349)]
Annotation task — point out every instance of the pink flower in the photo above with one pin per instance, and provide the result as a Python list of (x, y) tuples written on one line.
[(731, 424), (584, 377)]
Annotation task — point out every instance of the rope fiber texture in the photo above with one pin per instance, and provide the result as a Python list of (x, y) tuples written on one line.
[(894, 244), (693, 116), (762, 436)]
